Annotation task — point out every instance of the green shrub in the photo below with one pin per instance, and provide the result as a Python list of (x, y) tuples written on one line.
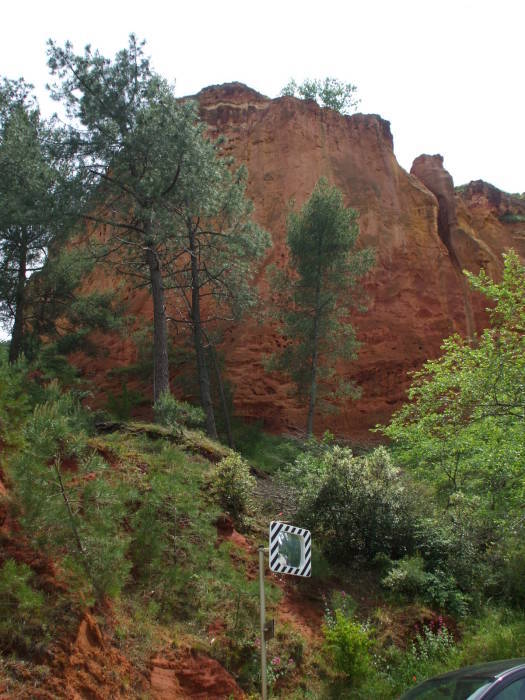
[(510, 218), (173, 413), (121, 405), (512, 572), (76, 511), (234, 485), (267, 452), (408, 578), (358, 506), (21, 609), (154, 528), (433, 643), (499, 634), (348, 645), (14, 406), (431, 652)]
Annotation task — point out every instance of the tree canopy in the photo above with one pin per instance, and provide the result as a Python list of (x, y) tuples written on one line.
[(464, 426), (29, 202), (173, 210), (129, 138), (329, 92), (320, 291)]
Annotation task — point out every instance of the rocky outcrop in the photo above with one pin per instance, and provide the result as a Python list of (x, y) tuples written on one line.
[(423, 231), (430, 170), (489, 221)]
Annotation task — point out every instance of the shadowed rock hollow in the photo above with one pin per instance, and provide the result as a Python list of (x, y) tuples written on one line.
[(424, 233)]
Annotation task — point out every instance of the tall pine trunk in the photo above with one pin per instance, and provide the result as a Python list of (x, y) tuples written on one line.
[(313, 378), (198, 339), (222, 394), (315, 347), (161, 377), (17, 336)]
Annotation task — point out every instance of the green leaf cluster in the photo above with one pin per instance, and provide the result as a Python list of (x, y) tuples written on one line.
[(330, 92), (463, 429)]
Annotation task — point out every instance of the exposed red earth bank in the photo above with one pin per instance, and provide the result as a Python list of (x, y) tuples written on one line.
[(423, 230)]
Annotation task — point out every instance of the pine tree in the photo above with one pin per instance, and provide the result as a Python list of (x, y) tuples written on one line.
[(174, 214), (130, 140), (325, 269), (29, 203), (215, 276)]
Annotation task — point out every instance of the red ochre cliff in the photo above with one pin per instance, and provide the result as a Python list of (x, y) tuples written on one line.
[(424, 232)]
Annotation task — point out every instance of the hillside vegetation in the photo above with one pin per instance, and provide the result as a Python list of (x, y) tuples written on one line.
[(145, 535), (128, 548)]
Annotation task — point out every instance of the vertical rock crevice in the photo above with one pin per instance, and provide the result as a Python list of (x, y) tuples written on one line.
[(430, 170)]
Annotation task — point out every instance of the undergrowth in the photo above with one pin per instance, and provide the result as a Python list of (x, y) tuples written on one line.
[(133, 515)]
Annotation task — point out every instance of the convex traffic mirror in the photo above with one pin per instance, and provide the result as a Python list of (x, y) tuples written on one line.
[(290, 549)]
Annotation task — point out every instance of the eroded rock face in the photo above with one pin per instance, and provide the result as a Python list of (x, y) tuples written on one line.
[(430, 170), (489, 222), (423, 232)]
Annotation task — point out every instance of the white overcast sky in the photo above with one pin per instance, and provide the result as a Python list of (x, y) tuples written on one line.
[(448, 75)]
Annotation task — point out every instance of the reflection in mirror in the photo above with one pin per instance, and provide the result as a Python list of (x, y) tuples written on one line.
[(289, 549)]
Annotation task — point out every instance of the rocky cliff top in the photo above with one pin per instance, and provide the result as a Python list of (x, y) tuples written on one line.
[(424, 232)]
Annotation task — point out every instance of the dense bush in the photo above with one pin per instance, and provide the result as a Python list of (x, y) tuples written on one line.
[(14, 404), (154, 524), (76, 511), (234, 485), (437, 588), (356, 505), (21, 609), (432, 650), (121, 405), (173, 413)]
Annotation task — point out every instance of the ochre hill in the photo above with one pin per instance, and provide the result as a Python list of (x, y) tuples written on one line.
[(424, 231)]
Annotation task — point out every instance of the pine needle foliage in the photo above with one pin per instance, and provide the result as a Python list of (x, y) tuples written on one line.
[(318, 293), (21, 608), (70, 506)]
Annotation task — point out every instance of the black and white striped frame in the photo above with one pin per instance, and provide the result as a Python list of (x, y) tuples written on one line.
[(305, 569)]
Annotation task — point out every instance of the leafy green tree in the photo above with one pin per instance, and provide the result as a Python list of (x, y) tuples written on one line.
[(320, 291), (329, 92), (29, 203), (463, 428)]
